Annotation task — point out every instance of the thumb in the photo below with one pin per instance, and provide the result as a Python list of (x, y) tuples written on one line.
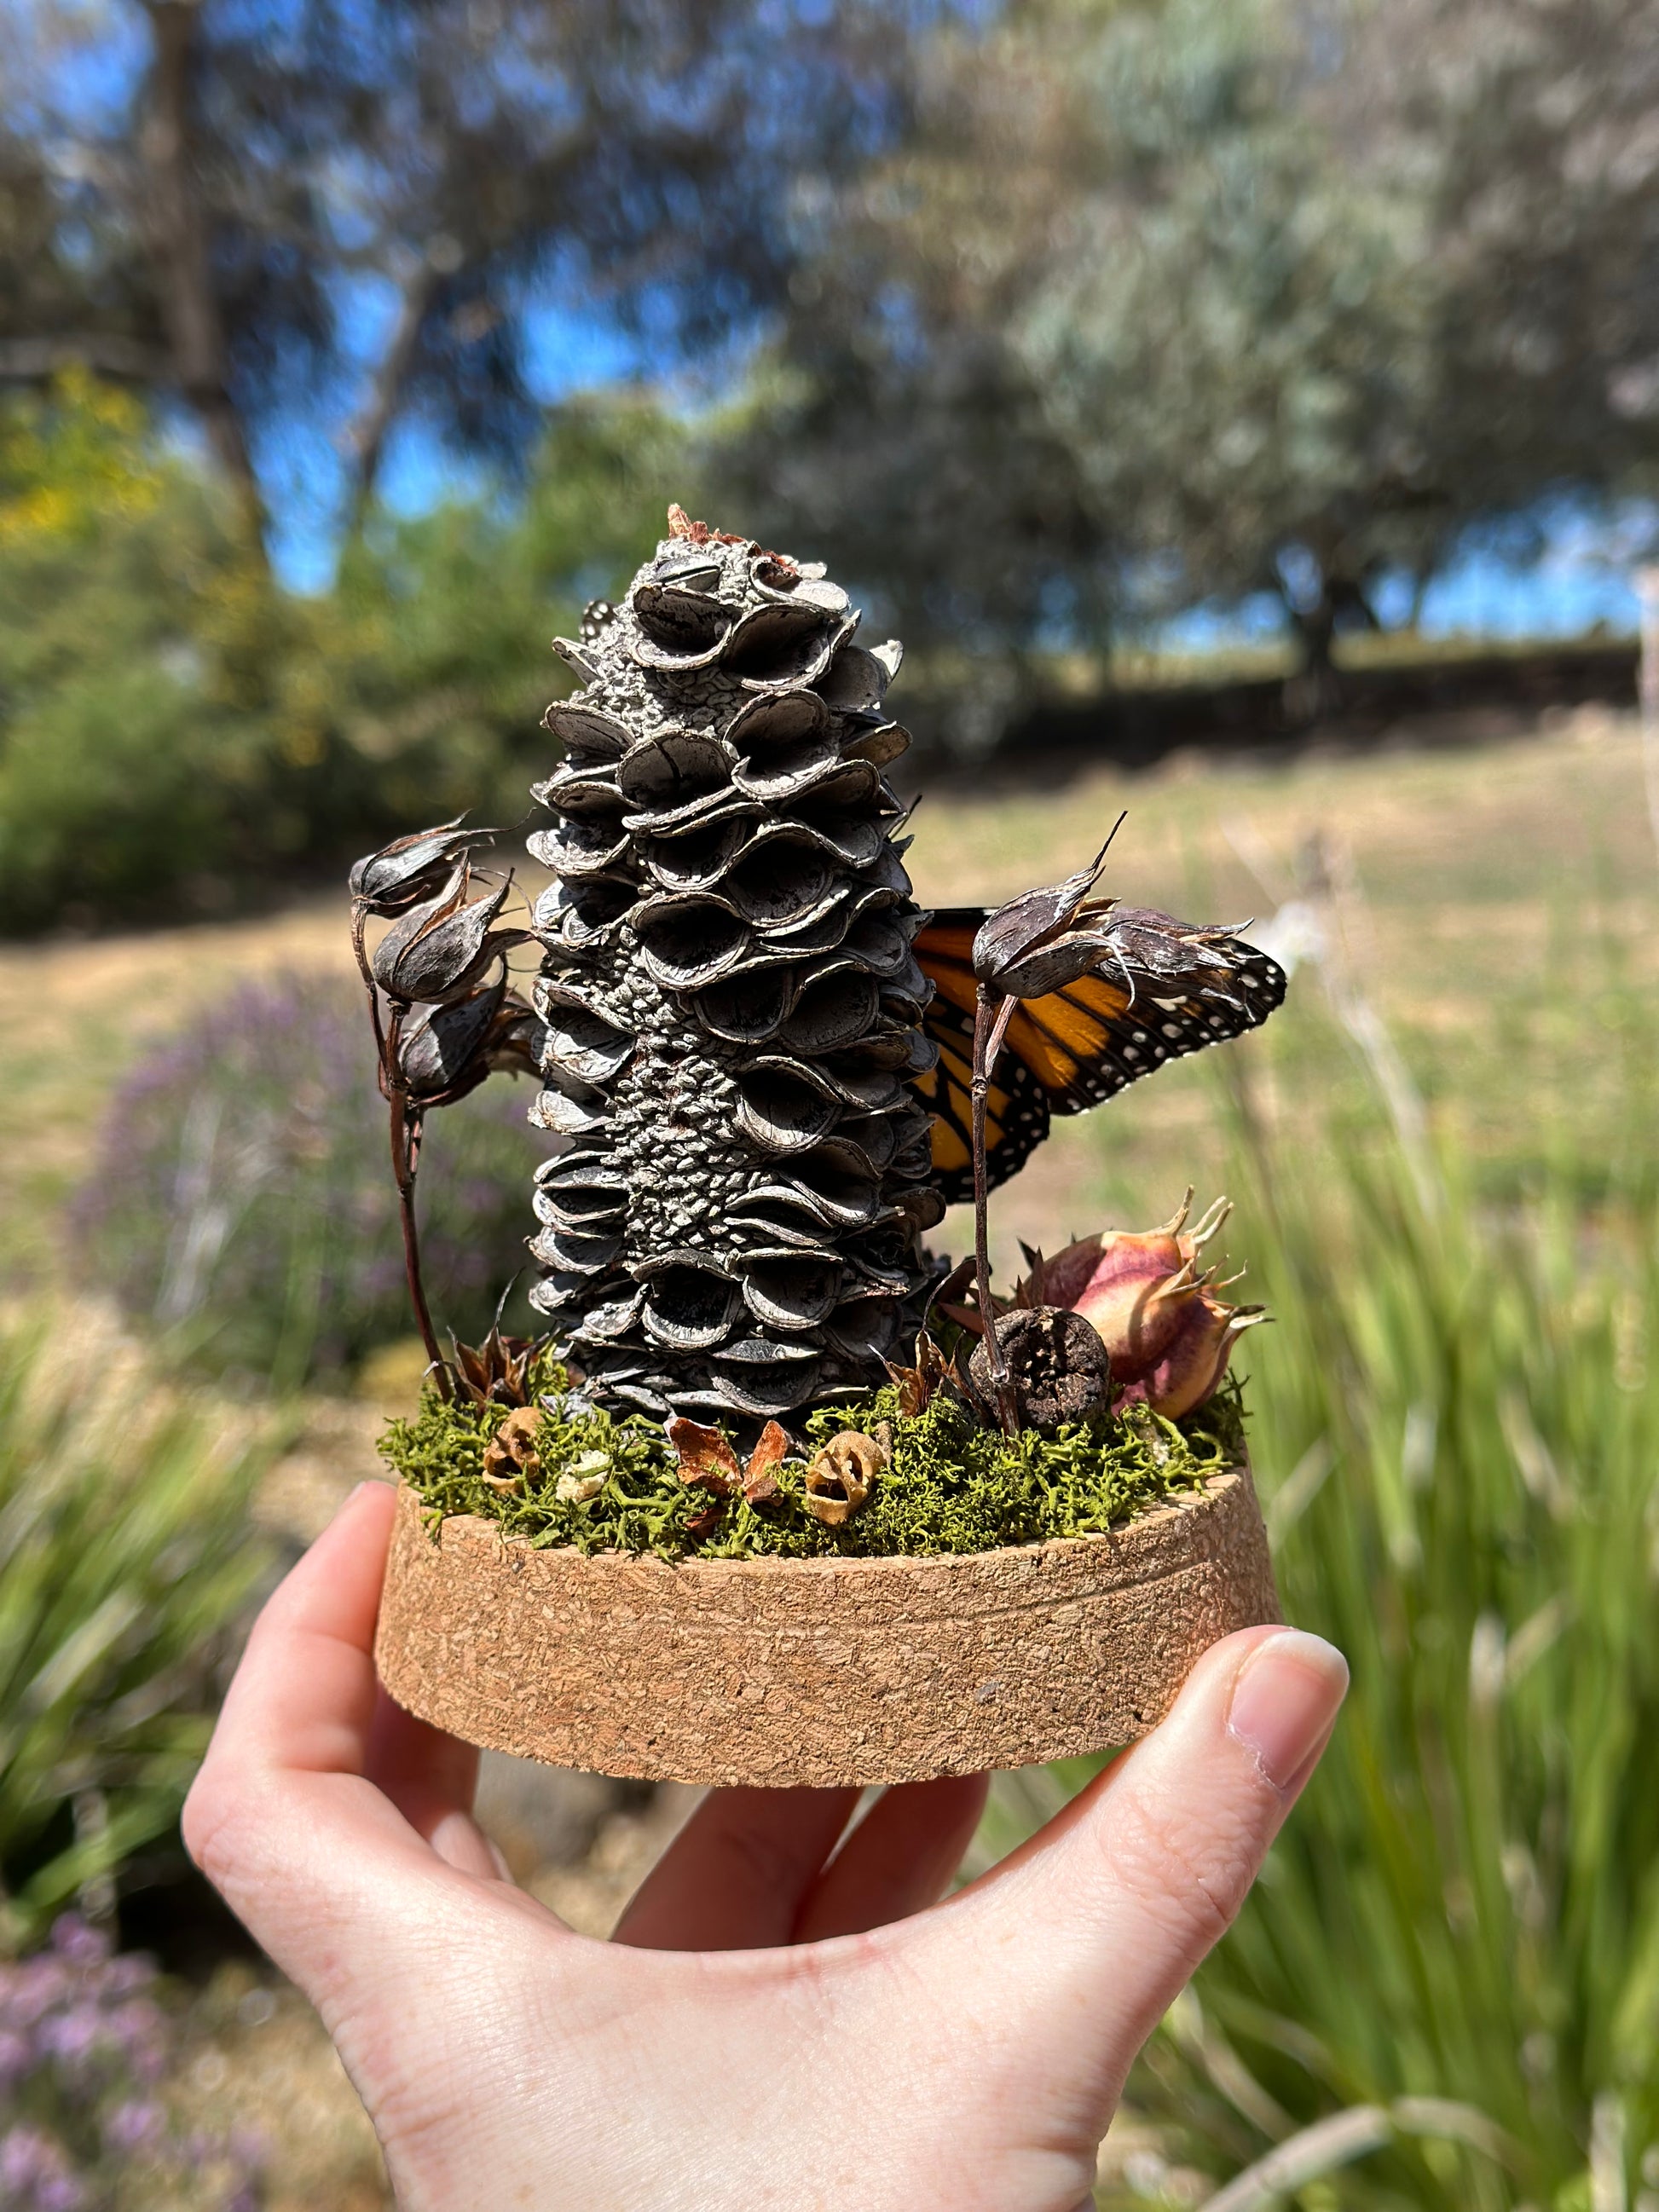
[(1086, 1936)]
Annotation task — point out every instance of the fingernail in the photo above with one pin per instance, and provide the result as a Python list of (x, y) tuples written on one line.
[(1285, 1699)]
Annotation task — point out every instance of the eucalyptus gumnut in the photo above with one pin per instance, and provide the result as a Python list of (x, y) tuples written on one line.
[(731, 998)]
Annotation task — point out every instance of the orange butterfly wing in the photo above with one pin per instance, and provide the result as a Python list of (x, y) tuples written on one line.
[(1173, 989), (1016, 1108)]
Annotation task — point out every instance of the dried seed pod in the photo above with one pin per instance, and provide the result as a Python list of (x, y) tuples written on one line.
[(759, 1483), (729, 998), (448, 1051), (705, 1457), (410, 868), (1034, 943), (842, 1477), (511, 1460), (437, 951), (1058, 1368)]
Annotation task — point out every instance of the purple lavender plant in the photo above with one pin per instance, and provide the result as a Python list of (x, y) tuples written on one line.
[(240, 1203), (85, 2048)]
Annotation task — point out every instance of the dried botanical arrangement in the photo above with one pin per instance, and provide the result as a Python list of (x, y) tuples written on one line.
[(732, 1001), (770, 1071)]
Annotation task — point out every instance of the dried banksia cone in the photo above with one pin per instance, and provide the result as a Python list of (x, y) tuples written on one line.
[(1168, 1334), (731, 997)]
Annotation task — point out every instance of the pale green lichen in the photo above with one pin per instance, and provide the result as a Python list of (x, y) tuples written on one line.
[(952, 1485)]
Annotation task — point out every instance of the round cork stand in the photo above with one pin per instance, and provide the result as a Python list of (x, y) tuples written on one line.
[(815, 1671)]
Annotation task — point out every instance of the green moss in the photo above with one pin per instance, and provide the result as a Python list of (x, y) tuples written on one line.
[(952, 1485)]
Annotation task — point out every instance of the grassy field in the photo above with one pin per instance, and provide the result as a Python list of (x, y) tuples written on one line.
[(1493, 901)]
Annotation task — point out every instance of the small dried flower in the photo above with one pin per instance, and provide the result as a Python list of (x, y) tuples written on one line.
[(915, 1385), (840, 1478), (497, 1371), (585, 1478)]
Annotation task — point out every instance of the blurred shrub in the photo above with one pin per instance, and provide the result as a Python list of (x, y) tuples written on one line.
[(176, 731), (124, 1557), (243, 1205), (84, 2049), (122, 766)]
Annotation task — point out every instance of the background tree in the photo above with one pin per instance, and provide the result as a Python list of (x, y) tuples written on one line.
[(1207, 300), (362, 210), (892, 423)]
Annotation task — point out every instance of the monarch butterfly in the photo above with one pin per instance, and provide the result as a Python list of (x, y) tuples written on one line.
[(1175, 987)]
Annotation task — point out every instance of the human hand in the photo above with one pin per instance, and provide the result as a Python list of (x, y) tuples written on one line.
[(766, 2028)]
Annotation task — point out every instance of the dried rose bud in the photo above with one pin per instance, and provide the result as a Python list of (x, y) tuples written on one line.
[(1169, 1336), (390, 881)]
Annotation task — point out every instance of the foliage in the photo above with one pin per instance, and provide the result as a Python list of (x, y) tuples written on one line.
[(84, 2044), (507, 159), (176, 733), (1230, 335), (1449, 1970), (124, 1557), (953, 1485), (122, 758), (1157, 302), (243, 1204)]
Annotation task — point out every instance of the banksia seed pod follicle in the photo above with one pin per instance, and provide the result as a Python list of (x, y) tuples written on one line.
[(731, 997)]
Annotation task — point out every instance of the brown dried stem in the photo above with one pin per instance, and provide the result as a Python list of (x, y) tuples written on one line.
[(991, 1020), (404, 1137)]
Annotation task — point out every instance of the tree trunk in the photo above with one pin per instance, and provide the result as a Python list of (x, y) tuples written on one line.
[(179, 244), (1316, 689), (365, 440)]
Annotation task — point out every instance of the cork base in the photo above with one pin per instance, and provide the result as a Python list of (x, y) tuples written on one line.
[(784, 1672)]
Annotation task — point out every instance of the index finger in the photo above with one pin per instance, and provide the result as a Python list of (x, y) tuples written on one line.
[(290, 1801), (316, 1633)]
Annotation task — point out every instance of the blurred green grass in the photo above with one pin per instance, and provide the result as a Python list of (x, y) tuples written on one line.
[(1445, 1991), (125, 1559)]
